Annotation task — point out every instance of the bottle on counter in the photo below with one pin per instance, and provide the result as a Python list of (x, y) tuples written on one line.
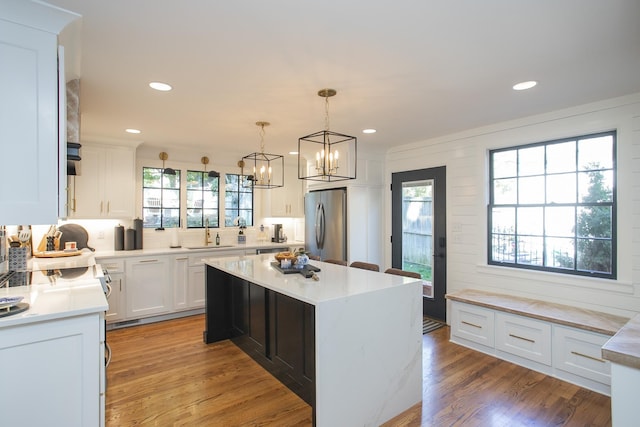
[(217, 239)]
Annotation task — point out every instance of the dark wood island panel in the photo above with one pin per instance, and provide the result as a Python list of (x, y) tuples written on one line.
[(277, 331)]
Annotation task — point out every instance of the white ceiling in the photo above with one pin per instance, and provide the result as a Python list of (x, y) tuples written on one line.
[(412, 69)]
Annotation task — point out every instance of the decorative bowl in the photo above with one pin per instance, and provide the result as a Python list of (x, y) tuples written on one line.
[(286, 255)]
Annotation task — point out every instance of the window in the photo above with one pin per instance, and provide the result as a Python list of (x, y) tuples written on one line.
[(160, 198), (202, 200), (552, 206), (238, 200)]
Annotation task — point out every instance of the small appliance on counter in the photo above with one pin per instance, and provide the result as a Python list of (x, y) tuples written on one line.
[(278, 234)]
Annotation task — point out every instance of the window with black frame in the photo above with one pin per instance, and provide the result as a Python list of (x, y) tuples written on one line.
[(202, 200), (238, 200), (160, 198), (552, 206)]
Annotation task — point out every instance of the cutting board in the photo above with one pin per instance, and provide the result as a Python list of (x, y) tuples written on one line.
[(56, 254)]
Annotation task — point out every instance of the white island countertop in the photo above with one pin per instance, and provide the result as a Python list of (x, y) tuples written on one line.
[(336, 281), (50, 302)]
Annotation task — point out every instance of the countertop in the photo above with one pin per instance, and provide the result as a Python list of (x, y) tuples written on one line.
[(197, 249), (336, 281), (624, 347), (51, 302), (575, 317)]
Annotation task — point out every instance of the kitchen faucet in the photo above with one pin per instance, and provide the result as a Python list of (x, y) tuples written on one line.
[(207, 235)]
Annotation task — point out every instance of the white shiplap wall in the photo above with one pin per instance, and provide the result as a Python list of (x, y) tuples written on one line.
[(465, 156)]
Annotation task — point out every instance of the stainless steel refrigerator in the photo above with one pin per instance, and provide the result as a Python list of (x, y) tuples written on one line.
[(325, 215)]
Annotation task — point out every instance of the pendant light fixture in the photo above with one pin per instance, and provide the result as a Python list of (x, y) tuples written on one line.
[(211, 174), (326, 155), (268, 169), (166, 171)]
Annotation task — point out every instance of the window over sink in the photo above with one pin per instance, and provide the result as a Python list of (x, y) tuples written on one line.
[(202, 199), (160, 198)]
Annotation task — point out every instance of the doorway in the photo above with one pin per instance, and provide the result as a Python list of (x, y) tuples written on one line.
[(418, 232)]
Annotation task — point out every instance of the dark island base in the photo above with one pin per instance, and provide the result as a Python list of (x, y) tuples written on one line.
[(277, 331)]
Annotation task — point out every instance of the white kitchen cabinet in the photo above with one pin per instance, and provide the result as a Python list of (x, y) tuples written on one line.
[(475, 324), (196, 282), (524, 337), (53, 373), (116, 297), (288, 201), (180, 282), (29, 112), (104, 188), (569, 353), (149, 286), (580, 353)]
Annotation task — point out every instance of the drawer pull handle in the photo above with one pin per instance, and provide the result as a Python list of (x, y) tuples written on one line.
[(522, 338), (597, 359), (149, 260), (471, 324), (181, 259)]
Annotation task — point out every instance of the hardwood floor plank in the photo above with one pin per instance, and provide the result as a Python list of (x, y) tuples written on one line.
[(162, 374)]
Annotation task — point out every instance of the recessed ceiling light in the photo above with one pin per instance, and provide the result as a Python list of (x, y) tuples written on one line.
[(160, 86), (525, 85), (132, 130), (369, 131)]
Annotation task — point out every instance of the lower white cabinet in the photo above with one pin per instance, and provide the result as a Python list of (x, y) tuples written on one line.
[(524, 337), (188, 283), (472, 323), (196, 282), (146, 286), (149, 287), (580, 353), (116, 294), (53, 373), (180, 283), (568, 353)]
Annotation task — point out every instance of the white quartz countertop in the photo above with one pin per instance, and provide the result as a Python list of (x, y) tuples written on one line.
[(336, 281), (49, 302), (197, 249)]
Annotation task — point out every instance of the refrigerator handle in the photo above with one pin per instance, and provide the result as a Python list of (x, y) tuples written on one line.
[(317, 226), (322, 226)]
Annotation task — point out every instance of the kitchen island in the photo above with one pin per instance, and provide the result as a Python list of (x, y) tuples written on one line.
[(350, 344)]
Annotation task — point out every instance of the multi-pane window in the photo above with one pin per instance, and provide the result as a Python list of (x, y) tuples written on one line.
[(553, 206), (202, 200), (160, 198), (238, 200)]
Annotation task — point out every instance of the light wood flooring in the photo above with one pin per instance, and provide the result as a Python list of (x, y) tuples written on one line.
[(162, 374)]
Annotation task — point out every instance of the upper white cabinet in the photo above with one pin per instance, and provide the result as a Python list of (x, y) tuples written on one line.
[(288, 201), (29, 111), (104, 188)]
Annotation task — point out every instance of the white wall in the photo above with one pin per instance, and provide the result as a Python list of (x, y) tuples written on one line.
[(465, 156)]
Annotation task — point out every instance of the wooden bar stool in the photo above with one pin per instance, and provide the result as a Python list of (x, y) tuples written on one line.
[(365, 266), (336, 261), (399, 272)]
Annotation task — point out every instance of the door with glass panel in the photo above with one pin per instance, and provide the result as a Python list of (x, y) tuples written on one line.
[(418, 226)]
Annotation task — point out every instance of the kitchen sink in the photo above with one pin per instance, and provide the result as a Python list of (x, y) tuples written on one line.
[(209, 247)]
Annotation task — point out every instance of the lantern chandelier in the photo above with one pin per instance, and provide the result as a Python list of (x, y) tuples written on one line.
[(326, 155), (268, 169)]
